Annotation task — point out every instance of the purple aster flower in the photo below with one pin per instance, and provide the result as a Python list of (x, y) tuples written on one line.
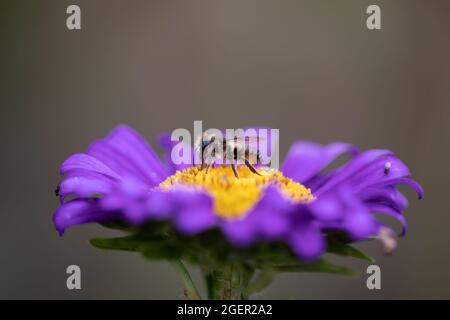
[(120, 178)]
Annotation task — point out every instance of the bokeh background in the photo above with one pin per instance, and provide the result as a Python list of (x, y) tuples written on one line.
[(310, 68)]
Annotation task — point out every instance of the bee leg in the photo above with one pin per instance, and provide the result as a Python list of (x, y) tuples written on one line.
[(202, 166), (251, 167), (205, 163), (209, 165), (236, 174)]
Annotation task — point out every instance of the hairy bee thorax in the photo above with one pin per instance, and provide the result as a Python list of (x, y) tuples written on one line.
[(232, 197), (216, 150)]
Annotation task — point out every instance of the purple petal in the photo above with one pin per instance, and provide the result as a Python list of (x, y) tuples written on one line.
[(374, 168), (269, 220), (349, 170), (241, 233), (404, 181), (272, 215), (307, 242), (306, 159), (388, 196), (382, 171), (80, 163), (127, 153), (84, 187), (386, 210), (194, 213), (130, 197), (327, 208), (358, 222), (160, 205), (77, 212)]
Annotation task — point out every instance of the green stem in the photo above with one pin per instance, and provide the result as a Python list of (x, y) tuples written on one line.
[(190, 290), (227, 282)]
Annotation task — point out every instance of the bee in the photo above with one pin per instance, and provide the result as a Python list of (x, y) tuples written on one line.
[(213, 148)]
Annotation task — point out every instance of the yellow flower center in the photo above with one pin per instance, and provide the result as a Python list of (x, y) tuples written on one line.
[(234, 197)]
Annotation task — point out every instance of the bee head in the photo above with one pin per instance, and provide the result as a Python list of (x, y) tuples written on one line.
[(207, 141)]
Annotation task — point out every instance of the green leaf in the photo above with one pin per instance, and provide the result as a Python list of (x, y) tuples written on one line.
[(161, 251), (129, 243), (117, 225), (344, 249), (321, 266), (266, 255), (261, 281), (151, 248)]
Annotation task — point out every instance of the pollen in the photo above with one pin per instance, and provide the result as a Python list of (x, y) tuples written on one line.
[(234, 197)]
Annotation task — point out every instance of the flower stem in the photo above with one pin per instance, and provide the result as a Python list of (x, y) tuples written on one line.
[(227, 282), (190, 290)]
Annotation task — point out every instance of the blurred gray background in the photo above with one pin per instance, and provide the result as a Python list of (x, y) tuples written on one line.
[(310, 68)]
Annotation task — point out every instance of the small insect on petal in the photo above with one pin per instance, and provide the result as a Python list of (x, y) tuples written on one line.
[(387, 238), (57, 189), (387, 167)]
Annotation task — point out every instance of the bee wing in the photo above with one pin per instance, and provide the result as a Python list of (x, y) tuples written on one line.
[(249, 140), (251, 143)]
